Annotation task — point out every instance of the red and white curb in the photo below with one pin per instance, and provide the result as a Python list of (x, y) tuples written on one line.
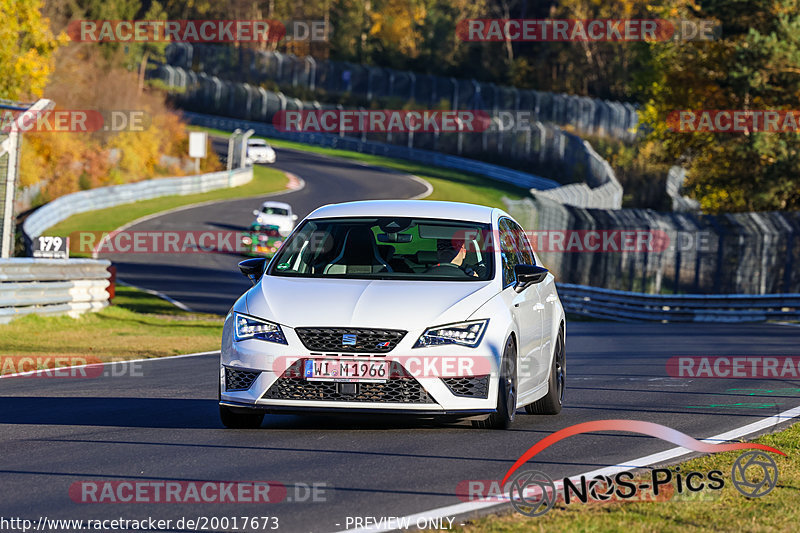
[(295, 183)]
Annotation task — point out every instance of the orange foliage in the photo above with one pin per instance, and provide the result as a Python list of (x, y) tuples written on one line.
[(68, 162)]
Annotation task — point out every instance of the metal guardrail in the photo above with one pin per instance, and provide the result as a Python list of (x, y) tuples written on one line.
[(507, 175), (373, 84), (639, 307), (680, 203), (733, 253), (103, 197), (538, 146), (75, 286), (52, 287)]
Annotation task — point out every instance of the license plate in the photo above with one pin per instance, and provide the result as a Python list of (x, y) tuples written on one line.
[(347, 370)]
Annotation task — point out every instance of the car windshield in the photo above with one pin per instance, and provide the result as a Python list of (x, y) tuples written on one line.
[(387, 248), (257, 143), (275, 211)]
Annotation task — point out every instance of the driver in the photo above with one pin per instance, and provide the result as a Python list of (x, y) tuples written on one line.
[(451, 255)]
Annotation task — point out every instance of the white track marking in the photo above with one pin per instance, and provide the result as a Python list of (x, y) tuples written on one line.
[(426, 184), (173, 301)]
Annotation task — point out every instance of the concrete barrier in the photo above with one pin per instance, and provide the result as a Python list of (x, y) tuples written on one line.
[(52, 287)]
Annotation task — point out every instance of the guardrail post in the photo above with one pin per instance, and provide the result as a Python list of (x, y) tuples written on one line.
[(787, 272), (243, 157), (720, 258), (231, 141), (677, 267), (312, 73)]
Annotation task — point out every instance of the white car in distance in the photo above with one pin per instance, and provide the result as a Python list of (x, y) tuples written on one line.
[(259, 151), (361, 309), (278, 214)]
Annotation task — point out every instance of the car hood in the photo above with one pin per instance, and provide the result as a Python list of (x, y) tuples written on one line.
[(274, 220), (396, 304)]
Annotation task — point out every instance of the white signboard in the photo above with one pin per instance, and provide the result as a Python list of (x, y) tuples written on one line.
[(45, 247), (197, 143)]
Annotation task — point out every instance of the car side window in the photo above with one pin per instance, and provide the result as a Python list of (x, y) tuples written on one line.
[(507, 252), (524, 250)]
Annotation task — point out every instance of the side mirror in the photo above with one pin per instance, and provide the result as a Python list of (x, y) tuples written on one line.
[(253, 268), (528, 275), (294, 217), (256, 212)]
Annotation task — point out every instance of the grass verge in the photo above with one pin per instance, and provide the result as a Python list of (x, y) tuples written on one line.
[(448, 184), (265, 181), (724, 510), (138, 325)]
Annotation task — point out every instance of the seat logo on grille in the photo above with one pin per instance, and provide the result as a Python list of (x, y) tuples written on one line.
[(348, 339)]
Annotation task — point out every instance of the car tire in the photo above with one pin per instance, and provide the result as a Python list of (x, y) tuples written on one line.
[(551, 403), (236, 420), (506, 392)]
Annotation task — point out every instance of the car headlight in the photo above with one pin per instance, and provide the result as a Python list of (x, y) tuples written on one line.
[(247, 327), (464, 333), (247, 241)]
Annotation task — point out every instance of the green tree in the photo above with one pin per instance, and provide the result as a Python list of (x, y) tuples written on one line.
[(754, 66)]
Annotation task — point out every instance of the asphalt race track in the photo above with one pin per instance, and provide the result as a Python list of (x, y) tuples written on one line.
[(158, 421), (161, 424)]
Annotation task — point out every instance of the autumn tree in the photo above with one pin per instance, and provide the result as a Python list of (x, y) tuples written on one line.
[(754, 66), (26, 49)]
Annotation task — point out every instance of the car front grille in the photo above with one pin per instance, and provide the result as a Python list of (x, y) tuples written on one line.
[(239, 379), (350, 340), (469, 387), (399, 390)]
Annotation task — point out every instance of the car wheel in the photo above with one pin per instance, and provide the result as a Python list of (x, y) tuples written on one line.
[(506, 392), (551, 403), (237, 420)]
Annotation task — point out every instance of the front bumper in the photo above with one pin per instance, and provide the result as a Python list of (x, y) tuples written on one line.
[(305, 410), (276, 385)]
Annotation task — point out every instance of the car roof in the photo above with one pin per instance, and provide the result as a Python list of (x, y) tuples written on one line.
[(277, 204), (257, 140), (408, 208)]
